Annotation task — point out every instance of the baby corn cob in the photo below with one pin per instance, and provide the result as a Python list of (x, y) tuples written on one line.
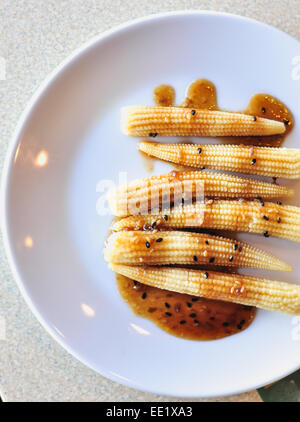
[(179, 121), (265, 161), (260, 217), (262, 293), (183, 248), (156, 192)]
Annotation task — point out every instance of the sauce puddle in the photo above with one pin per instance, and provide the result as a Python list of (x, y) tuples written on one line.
[(201, 94), (183, 315), (264, 105), (164, 95)]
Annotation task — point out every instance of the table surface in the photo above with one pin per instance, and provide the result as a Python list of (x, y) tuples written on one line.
[(35, 37)]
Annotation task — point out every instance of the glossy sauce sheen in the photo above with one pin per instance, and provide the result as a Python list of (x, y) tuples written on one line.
[(183, 315), (201, 94), (264, 105), (164, 95)]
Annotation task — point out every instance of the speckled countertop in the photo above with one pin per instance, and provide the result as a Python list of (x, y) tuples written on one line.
[(35, 37)]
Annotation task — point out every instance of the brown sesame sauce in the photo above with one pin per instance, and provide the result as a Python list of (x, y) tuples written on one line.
[(264, 105), (202, 94), (183, 315), (164, 95)]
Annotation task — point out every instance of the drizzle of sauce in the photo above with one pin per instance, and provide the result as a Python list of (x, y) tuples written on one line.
[(183, 315), (202, 94), (264, 105), (164, 95)]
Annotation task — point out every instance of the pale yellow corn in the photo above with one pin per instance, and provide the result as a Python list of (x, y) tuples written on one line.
[(262, 293), (179, 121), (154, 193), (265, 161), (184, 248), (259, 217)]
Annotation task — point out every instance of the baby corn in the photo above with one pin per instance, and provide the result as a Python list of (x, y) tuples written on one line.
[(155, 193), (178, 121), (265, 161), (184, 248), (262, 293), (267, 218)]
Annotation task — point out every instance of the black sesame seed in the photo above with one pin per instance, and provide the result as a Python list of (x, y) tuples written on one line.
[(261, 201), (135, 282), (193, 315), (235, 247), (182, 322), (147, 244), (168, 313), (242, 322), (278, 220), (266, 234), (265, 217), (195, 299), (196, 322), (240, 249), (207, 242), (254, 118), (193, 112), (263, 109), (274, 179), (189, 305), (206, 274), (225, 324), (286, 122), (153, 225), (199, 150), (211, 260), (153, 134), (239, 327), (160, 239), (166, 217), (279, 203), (212, 318), (202, 168), (195, 258), (167, 305), (231, 258), (253, 161), (144, 295)]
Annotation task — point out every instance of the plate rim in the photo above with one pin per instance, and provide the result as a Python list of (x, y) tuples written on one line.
[(7, 168)]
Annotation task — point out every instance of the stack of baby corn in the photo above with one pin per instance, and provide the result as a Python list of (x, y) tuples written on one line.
[(153, 242)]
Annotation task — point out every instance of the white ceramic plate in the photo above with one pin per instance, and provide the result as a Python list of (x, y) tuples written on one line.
[(69, 139)]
